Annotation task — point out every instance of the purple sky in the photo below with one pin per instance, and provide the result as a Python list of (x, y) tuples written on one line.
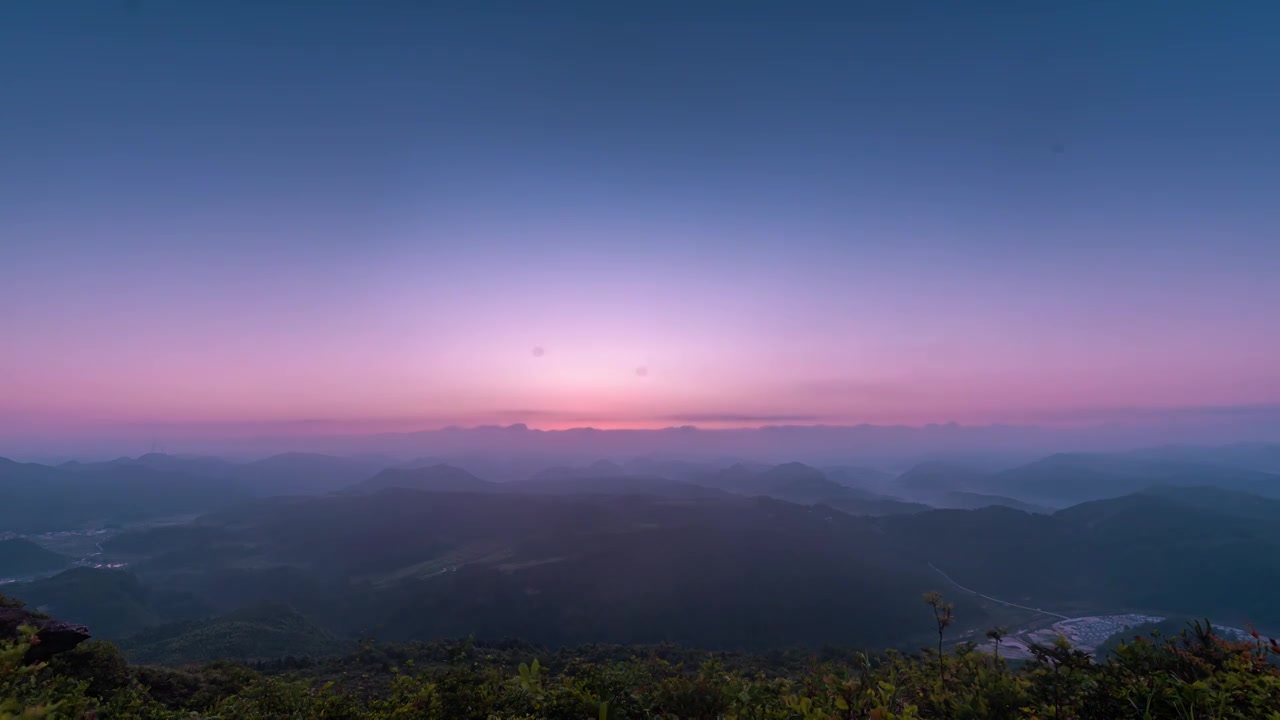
[(374, 214)]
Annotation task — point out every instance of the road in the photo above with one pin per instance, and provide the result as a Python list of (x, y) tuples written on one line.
[(995, 600)]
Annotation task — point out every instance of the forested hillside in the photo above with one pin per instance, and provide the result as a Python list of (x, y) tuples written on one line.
[(720, 571), (20, 557)]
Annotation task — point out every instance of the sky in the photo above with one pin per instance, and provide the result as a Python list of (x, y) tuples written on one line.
[(383, 216)]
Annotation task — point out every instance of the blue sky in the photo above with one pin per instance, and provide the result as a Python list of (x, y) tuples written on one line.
[(883, 212)]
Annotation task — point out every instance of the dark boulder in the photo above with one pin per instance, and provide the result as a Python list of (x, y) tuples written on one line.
[(52, 636)]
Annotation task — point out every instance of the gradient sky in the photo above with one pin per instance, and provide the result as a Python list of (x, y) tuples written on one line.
[(389, 215)]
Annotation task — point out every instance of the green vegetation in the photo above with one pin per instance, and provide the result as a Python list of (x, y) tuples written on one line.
[(112, 602), (649, 565), (1193, 675), (265, 631), (1156, 631)]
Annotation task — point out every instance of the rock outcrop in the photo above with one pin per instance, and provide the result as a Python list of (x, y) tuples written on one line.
[(52, 636)]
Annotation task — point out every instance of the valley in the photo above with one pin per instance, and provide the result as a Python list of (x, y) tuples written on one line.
[(740, 557)]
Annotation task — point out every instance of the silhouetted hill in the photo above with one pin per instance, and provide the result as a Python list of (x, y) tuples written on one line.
[(436, 478), (873, 505), (258, 632), (597, 469), (739, 478), (961, 500), (800, 483), (40, 498), (113, 602), (670, 469), (1237, 505), (284, 474), (549, 484), (1264, 457), (304, 473), (936, 478), (1070, 478), (948, 485), (796, 482), (1145, 552), (497, 467), (195, 465), (19, 558), (863, 478)]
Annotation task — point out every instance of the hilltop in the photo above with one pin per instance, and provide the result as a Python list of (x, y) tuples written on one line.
[(20, 557)]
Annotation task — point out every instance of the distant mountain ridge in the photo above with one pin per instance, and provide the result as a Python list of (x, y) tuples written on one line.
[(806, 485), (282, 474), (824, 444), (1249, 456), (1069, 478), (938, 477), (961, 500), (950, 485), (597, 469), (38, 498), (617, 484), (78, 495), (434, 478)]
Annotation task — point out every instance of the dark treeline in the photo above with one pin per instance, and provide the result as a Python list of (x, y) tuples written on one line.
[(1195, 674)]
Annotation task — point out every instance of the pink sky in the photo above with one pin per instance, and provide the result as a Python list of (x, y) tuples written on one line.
[(396, 349)]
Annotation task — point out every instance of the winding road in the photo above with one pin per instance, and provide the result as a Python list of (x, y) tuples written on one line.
[(993, 599)]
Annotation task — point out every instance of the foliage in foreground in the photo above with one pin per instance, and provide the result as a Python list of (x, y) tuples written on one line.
[(1195, 675)]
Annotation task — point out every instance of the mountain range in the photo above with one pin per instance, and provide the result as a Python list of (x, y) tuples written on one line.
[(76, 494), (715, 569)]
